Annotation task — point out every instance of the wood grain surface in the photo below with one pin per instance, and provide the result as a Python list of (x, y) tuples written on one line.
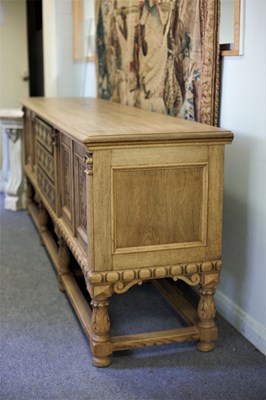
[(95, 122)]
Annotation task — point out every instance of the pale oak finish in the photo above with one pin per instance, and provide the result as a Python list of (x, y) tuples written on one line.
[(102, 123), (134, 196)]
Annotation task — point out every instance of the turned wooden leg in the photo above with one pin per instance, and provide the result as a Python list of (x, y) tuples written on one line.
[(101, 346), (64, 262), (206, 314), (43, 220)]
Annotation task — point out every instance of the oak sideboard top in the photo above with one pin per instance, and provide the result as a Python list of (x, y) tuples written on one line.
[(98, 122)]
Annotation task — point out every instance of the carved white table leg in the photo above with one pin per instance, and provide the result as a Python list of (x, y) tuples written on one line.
[(12, 159), (4, 158), (14, 188)]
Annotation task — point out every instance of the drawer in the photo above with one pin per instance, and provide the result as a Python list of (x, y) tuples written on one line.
[(46, 161), (44, 134), (46, 187)]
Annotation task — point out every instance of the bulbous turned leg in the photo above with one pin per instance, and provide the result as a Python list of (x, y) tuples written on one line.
[(43, 220), (101, 346), (206, 314), (64, 262)]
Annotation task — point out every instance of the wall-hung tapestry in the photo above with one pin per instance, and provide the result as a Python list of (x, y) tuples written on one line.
[(160, 55)]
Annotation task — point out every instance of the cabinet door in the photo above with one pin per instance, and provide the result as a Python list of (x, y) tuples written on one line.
[(66, 181)]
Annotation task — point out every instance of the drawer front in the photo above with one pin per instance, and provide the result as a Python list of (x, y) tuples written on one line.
[(47, 188), (46, 161), (44, 134)]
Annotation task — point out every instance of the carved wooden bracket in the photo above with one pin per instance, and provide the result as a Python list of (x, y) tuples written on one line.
[(88, 160), (192, 280), (121, 287)]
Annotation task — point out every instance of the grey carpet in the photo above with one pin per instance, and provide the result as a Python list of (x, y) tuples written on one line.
[(45, 354)]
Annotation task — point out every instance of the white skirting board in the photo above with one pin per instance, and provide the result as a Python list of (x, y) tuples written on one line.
[(240, 320)]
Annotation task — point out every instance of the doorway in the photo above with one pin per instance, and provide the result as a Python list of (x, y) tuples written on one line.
[(35, 47)]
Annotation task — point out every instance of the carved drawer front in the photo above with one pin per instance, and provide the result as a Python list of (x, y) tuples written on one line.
[(44, 134), (46, 187), (45, 161)]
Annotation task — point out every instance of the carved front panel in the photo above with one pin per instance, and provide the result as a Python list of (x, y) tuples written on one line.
[(46, 161), (81, 202), (81, 192), (82, 196), (44, 134), (66, 177), (46, 187), (159, 207)]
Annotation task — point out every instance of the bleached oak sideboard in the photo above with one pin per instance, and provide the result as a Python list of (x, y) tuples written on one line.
[(132, 196)]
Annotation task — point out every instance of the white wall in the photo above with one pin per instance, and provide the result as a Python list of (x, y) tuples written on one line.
[(13, 53), (49, 49), (241, 296), (62, 76), (74, 79)]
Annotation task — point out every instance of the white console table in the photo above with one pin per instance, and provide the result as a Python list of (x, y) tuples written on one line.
[(11, 175)]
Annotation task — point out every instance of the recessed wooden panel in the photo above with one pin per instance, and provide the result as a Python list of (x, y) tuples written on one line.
[(159, 207)]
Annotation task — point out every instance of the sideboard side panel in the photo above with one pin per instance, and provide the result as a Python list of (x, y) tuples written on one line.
[(166, 205)]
